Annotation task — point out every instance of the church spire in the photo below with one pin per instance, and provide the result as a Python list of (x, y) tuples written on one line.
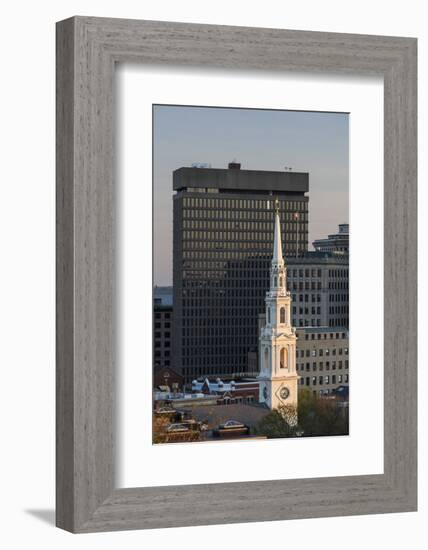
[(277, 245)]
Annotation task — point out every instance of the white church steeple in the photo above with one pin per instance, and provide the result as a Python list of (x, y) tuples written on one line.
[(277, 358)]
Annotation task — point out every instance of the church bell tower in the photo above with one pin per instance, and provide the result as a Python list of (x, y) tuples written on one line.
[(278, 378)]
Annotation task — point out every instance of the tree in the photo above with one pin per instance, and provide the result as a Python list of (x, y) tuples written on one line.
[(317, 416), (278, 423), (321, 416)]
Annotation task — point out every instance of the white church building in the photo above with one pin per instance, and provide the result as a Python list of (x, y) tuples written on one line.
[(278, 378)]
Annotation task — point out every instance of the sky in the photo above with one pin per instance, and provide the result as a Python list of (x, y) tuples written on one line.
[(312, 142)]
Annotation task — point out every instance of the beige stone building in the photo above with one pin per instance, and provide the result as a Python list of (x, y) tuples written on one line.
[(322, 358)]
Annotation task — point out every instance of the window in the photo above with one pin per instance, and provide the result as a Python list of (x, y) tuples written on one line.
[(326, 379), (283, 359), (282, 315)]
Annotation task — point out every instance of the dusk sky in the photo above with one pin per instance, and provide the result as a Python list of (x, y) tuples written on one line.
[(312, 142)]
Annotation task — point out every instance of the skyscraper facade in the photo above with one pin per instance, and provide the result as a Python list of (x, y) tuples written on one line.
[(222, 247)]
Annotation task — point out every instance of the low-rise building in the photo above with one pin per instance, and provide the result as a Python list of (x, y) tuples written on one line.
[(322, 359), (337, 242), (167, 379)]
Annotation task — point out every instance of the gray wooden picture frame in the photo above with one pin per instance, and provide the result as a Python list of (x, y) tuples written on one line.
[(87, 50)]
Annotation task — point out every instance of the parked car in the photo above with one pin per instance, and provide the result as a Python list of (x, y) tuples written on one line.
[(231, 425), (165, 410), (231, 428), (178, 428)]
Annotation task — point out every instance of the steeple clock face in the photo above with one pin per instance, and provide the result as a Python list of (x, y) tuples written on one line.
[(284, 393)]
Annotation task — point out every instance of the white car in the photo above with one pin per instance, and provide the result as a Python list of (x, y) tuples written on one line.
[(231, 424), (176, 428)]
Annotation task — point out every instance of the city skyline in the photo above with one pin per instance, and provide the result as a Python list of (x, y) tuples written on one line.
[(260, 140)]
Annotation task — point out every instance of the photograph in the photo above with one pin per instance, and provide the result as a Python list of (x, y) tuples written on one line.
[(250, 274)]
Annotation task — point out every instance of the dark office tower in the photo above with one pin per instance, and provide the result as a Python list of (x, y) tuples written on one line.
[(222, 246)]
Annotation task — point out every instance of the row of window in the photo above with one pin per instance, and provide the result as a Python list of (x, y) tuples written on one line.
[(320, 366), (166, 324), (221, 239), (324, 380), (165, 334), (338, 297), (165, 315), (246, 230), (249, 226), (253, 215), (324, 336), (305, 310), (305, 285), (252, 204), (340, 273), (338, 284), (300, 273), (338, 309), (321, 352)]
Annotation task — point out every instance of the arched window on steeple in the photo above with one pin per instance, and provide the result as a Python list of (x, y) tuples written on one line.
[(266, 358), (268, 315), (283, 358), (282, 315), (274, 281), (280, 281)]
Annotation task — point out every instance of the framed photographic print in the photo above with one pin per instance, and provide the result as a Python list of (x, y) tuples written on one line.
[(236, 274)]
